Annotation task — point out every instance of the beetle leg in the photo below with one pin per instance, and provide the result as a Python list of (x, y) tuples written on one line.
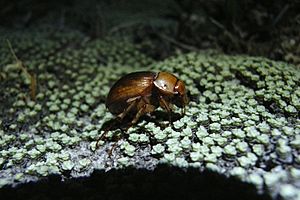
[(103, 135), (146, 108), (166, 106), (120, 117), (139, 114), (128, 109), (114, 145)]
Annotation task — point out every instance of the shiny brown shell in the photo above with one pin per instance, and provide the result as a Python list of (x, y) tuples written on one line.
[(129, 86)]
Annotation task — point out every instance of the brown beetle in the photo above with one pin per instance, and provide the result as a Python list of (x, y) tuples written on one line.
[(139, 93)]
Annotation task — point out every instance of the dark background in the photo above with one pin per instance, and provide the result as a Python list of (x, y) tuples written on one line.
[(162, 183), (252, 27)]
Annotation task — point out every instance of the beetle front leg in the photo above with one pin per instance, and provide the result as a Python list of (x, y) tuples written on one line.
[(166, 106)]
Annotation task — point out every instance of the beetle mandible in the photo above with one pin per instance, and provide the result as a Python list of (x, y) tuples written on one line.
[(138, 93)]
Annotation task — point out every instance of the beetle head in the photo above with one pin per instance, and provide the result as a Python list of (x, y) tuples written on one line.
[(165, 82), (171, 87), (180, 99)]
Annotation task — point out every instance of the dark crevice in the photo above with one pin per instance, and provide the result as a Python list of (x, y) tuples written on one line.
[(201, 89), (247, 82), (271, 106), (162, 183)]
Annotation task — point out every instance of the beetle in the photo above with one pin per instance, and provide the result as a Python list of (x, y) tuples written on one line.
[(139, 93)]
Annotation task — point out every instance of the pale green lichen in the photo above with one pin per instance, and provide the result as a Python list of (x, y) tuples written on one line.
[(133, 137), (82, 164), (230, 150), (158, 149), (67, 165), (128, 149), (124, 161)]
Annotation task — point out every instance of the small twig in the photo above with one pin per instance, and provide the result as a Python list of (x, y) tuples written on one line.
[(180, 44), (218, 24), (12, 51), (20, 64), (100, 21), (33, 86), (279, 16), (234, 39), (122, 26), (62, 20)]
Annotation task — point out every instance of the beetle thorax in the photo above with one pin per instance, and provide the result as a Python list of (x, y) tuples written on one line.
[(165, 82)]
